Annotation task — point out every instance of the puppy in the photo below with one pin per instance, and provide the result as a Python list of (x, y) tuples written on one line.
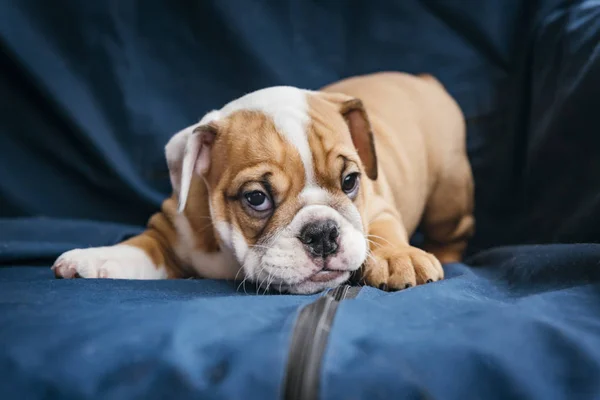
[(297, 190)]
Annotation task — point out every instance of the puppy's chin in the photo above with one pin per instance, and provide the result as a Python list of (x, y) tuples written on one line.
[(315, 284)]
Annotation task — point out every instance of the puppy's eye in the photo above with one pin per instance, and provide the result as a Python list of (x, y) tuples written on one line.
[(350, 184), (258, 200)]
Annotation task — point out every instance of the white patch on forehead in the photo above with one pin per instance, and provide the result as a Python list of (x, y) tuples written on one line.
[(312, 195), (288, 108)]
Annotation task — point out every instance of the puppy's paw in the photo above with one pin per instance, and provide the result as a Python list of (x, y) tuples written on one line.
[(392, 269), (114, 262)]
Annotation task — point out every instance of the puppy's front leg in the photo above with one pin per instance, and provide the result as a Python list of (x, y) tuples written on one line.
[(394, 264), (146, 256)]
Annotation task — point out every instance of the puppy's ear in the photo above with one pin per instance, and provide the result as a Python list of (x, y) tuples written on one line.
[(356, 117), (188, 153)]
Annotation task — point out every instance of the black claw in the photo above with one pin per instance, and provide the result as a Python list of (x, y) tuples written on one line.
[(429, 280), (383, 287), (408, 285)]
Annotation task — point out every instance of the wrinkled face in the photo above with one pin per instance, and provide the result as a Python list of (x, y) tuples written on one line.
[(287, 189)]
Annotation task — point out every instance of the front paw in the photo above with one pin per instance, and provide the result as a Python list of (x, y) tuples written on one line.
[(114, 262), (391, 269), (79, 263)]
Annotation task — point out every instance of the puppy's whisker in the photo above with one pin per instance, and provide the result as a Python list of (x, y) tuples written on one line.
[(238, 273), (288, 272), (373, 243), (266, 286), (269, 278), (243, 282), (257, 280), (380, 238), (262, 284), (372, 258), (260, 246)]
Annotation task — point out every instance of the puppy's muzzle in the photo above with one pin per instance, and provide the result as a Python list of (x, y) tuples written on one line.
[(320, 237)]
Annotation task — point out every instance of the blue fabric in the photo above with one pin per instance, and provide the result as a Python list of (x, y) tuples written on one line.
[(91, 92), (150, 340), (522, 322)]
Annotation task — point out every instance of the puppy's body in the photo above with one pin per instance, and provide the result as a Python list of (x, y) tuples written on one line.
[(300, 150), (420, 139)]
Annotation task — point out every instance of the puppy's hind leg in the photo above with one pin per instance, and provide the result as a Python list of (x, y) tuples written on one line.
[(448, 222)]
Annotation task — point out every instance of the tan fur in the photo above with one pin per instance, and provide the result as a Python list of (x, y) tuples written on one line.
[(423, 175)]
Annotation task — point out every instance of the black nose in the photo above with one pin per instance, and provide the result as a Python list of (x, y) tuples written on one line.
[(320, 237)]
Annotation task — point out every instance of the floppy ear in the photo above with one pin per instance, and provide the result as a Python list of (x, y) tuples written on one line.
[(188, 153), (362, 136)]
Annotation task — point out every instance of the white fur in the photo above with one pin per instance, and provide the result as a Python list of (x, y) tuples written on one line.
[(286, 262), (314, 195), (174, 154), (115, 262), (233, 239), (216, 265), (182, 144)]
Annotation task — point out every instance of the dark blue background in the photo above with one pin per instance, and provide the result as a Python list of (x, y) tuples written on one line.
[(92, 91)]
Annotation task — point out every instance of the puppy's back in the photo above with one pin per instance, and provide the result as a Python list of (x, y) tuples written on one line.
[(410, 105)]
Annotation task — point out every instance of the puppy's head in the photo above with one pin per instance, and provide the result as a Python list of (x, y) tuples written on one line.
[(287, 173)]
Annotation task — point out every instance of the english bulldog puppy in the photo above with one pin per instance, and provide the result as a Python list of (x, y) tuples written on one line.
[(297, 190)]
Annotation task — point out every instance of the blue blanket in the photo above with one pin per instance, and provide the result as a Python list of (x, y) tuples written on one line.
[(93, 90)]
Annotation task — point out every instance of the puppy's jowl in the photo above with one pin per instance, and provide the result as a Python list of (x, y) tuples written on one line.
[(297, 190)]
